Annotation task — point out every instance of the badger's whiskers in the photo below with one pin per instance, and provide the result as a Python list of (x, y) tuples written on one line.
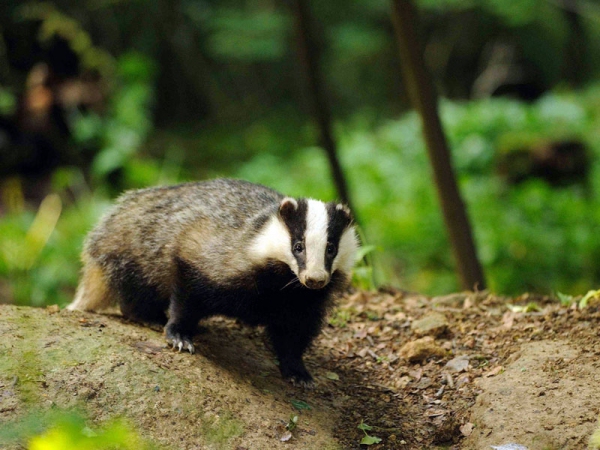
[(294, 280)]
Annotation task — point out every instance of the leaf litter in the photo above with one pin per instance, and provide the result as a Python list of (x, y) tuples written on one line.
[(413, 403)]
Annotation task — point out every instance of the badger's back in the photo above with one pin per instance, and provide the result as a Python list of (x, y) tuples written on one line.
[(207, 223), (146, 222)]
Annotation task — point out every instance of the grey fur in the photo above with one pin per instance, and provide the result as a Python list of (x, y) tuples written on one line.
[(148, 225), (221, 247)]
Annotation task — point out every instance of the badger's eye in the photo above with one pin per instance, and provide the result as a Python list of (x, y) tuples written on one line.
[(330, 249), (298, 247)]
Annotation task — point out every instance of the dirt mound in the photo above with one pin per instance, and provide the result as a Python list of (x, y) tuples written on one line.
[(546, 398), (460, 371), (229, 396)]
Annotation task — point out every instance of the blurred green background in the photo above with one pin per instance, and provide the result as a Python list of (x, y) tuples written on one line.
[(98, 96)]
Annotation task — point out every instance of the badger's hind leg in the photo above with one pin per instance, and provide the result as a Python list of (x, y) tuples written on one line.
[(93, 292), (139, 300)]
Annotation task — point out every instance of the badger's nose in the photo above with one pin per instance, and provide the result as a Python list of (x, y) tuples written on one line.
[(316, 281)]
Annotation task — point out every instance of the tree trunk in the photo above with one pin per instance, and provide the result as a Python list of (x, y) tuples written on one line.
[(308, 54), (574, 67), (423, 98)]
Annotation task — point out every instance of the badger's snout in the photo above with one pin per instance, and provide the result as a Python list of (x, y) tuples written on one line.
[(315, 280)]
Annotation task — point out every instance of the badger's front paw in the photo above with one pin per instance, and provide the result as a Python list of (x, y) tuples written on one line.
[(295, 372), (179, 341), (303, 382)]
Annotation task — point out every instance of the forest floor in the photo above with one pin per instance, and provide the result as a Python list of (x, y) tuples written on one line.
[(467, 371), (463, 371)]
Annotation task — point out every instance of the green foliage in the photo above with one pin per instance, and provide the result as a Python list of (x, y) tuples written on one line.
[(55, 23), (581, 301), (530, 237), (368, 439), (247, 36), (300, 405), (8, 102), (521, 231), (39, 256), (593, 295), (362, 276), (292, 423), (594, 443), (120, 133), (67, 430), (340, 317)]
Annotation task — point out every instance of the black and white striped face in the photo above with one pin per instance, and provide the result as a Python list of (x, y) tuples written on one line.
[(320, 240)]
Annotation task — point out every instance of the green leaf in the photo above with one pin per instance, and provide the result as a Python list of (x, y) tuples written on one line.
[(529, 307), (564, 298), (363, 426), (364, 251), (332, 376), (291, 425), (300, 405), (587, 297), (369, 440)]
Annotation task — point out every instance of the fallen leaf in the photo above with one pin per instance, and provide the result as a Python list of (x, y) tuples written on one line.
[(332, 376), (458, 364), (494, 371), (435, 412), (416, 374)]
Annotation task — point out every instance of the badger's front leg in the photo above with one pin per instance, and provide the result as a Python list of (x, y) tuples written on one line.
[(289, 344), (182, 325), (185, 311)]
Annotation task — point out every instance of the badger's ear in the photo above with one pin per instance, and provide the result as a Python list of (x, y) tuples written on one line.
[(287, 208), (343, 213)]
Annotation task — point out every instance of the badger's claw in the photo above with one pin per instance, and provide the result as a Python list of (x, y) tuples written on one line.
[(303, 383), (295, 372), (180, 343)]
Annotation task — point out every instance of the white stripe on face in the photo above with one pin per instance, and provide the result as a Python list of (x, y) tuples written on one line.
[(315, 237), (274, 242), (347, 248)]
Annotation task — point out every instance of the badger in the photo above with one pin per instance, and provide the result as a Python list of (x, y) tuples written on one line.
[(175, 255)]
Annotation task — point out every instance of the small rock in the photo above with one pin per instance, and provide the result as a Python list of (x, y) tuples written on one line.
[(466, 429), (421, 349), (432, 324), (286, 436), (86, 393), (52, 309), (458, 364)]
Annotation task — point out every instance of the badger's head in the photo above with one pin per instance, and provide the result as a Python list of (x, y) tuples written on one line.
[(313, 238)]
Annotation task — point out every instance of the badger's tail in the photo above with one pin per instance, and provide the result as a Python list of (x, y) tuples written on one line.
[(93, 292)]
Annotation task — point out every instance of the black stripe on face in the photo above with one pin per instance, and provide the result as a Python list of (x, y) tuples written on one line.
[(295, 221), (339, 219)]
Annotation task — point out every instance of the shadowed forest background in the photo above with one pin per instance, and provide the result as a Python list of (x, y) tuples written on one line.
[(100, 96)]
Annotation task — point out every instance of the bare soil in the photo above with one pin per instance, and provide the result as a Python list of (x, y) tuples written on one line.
[(461, 372)]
